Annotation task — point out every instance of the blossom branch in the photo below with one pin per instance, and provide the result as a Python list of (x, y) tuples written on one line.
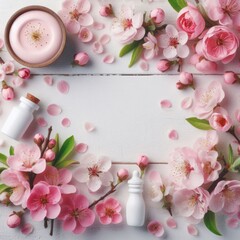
[(44, 147), (232, 132), (52, 225)]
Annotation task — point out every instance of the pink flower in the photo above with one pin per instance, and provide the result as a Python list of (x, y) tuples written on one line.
[(129, 26), (230, 77), (226, 197), (143, 162), (49, 155), (210, 165), (55, 177), (2, 75), (206, 99), (7, 92), (220, 120), (44, 201), (81, 58), (173, 43), (190, 21), (155, 228), (94, 172), (75, 214), (163, 65), (220, 44), (192, 204), (24, 73), (85, 35), (27, 158), (108, 211), (14, 220), (202, 64), (19, 184), (122, 174), (8, 67), (157, 15), (38, 139), (75, 15), (106, 10), (150, 47), (186, 78), (185, 168)]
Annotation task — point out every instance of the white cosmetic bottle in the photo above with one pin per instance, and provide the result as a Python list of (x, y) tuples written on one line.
[(20, 117), (135, 207)]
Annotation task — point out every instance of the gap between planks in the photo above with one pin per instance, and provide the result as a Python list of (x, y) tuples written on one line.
[(134, 163)]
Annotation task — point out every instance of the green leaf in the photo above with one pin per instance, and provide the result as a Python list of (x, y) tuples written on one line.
[(2, 169), (182, 3), (210, 223), (3, 159), (66, 163), (56, 148), (230, 155), (235, 166), (136, 55), (128, 48), (11, 150), (4, 188), (65, 150), (175, 5), (202, 124)]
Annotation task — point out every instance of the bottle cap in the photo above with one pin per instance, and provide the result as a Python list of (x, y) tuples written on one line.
[(135, 180), (32, 98)]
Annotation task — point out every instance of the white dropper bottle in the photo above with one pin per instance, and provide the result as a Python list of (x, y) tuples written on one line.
[(20, 117), (135, 207)]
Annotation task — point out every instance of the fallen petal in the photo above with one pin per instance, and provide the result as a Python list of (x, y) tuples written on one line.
[(27, 228), (81, 148), (97, 47), (89, 127), (48, 80), (66, 122), (173, 134), (105, 39), (17, 81), (166, 103), (63, 87), (144, 66), (186, 103), (54, 109), (192, 230), (171, 223), (98, 26), (232, 222), (109, 59), (41, 122)]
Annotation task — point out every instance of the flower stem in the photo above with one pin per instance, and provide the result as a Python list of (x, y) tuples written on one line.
[(220, 178), (44, 147), (52, 225), (232, 132), (45, 222)]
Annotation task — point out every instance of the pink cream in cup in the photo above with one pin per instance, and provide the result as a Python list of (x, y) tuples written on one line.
[(35, 36)]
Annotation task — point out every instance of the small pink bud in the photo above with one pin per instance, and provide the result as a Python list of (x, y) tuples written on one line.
[(38, 139), (49, 155), (143, 162), (157, 15), (163, 65), (106, 10), (51, 143), (24, 73), (122, 174), (81, 58), (13, 220), (180, 86), (186, 78), (230, 77), (7, 92)]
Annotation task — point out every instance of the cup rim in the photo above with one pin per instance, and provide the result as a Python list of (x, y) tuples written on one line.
[(9, 25)]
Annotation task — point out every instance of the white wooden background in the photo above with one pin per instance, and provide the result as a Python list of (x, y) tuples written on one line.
[(123, 104)]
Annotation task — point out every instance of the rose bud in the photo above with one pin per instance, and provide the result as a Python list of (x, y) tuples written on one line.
[(186, 78), (14, 220), (230, 77), (7, 92), (143, 162), (51, 143), (122, 174), (163, 65), (180, 86), (38, 139), (81, 59), (106, 10), (49, 155), (157, 15), (24, 73)]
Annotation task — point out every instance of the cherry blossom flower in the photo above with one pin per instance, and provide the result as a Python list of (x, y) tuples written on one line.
[(75, 214), (85, 35), (44, 201), (191, 203), (226, 197), (206, 99), (108, 211), (8, 67), (94, 172), (155, 228), (57, 177), (19, 184), (128, 26), (173, 43), (150, 46), (74, 15), (185, 168)]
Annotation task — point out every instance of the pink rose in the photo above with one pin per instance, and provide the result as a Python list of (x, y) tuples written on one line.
[(220, 44), (81, 59), (122, 174), (163, 65), (24, 73), (230, 77), (157, 15), (186, 78), (220, 120), (191, 21)]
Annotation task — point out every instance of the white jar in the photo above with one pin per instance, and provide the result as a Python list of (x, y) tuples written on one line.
[(20, 117), (135, 207)]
